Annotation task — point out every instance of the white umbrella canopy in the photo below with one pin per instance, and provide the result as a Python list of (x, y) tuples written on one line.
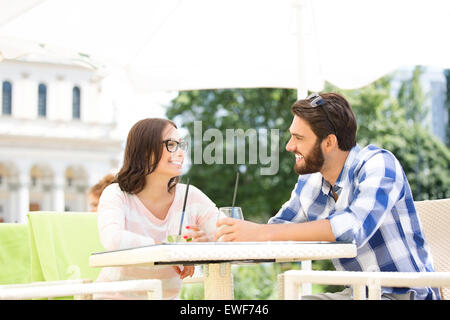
[(201, 44)]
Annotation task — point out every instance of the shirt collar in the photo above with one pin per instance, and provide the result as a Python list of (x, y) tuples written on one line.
[(344, 179)]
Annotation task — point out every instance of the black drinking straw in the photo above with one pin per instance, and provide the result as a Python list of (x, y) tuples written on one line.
[(235, 190), (184, 207)]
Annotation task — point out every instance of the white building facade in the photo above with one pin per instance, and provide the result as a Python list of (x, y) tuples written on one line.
[(56, 138)]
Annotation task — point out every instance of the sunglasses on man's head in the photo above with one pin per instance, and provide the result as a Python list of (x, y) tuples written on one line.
[(315, 100)]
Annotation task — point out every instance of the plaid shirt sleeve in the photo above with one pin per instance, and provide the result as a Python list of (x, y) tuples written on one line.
[(291, 211), (379, 184)]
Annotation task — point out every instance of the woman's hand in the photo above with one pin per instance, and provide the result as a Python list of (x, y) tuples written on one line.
[(196, 234), (187, 271)]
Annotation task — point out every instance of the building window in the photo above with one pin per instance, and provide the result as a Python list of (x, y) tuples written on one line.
[(76, 103), (7, 98), (42, 100)]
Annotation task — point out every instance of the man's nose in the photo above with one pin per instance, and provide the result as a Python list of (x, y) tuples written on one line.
[(290, 147)]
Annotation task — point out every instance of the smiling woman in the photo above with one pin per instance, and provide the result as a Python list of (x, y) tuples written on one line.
[(143, 152), (147, 200)]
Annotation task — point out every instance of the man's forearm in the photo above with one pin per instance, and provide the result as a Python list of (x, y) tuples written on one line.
[(319, 230)]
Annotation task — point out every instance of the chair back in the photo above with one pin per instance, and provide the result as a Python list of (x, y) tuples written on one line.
[(14, 254), (61, 244), (434, 216)]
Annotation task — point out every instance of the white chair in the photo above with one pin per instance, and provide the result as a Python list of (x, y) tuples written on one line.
[(434, 216), (80, 289), (83, 289), (66, 263)]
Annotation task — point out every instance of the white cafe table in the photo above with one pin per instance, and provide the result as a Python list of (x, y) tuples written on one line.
[(218, 256)]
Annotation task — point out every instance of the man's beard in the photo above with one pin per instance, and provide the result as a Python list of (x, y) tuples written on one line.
[(312, 162)]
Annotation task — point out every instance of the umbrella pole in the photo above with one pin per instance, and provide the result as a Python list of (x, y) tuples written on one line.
[(302, 92)]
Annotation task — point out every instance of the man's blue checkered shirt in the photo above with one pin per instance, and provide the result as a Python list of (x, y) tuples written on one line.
[(375, 210)]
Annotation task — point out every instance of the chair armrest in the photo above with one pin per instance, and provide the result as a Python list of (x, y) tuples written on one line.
[(373, 280), (44, 283), (83, 289)]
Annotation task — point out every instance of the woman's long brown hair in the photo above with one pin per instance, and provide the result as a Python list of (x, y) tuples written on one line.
[(143, 152)]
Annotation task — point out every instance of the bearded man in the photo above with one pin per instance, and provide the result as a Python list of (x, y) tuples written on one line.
[(345, 193)]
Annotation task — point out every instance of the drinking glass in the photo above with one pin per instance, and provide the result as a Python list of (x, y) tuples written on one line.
[(173, 227), (231, 212)]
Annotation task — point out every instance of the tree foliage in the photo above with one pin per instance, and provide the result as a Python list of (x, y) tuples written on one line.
[(396, 124), (447, 104)]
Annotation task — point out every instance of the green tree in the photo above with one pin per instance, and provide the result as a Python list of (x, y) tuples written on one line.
[(447, 104), (374, 108), (412, 98), (393, 124)]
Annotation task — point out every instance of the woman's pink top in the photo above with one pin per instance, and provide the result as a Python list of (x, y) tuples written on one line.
[(124, 222)]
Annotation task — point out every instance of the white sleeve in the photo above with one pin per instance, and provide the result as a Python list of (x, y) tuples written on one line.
[(111, 222)]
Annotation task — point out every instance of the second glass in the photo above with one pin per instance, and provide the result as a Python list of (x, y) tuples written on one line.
[(231, 212)]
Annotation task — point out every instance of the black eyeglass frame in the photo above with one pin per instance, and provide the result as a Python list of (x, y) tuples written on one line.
[(318, 101), (183, 145)]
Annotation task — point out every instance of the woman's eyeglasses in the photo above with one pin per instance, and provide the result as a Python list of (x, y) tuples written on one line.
[(315, 101), (172, 145)]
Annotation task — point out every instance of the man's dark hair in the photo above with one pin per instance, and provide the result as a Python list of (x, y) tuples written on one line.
[(338, 114)]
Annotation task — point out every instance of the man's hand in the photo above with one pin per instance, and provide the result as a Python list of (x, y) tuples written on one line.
[(239, 230)]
